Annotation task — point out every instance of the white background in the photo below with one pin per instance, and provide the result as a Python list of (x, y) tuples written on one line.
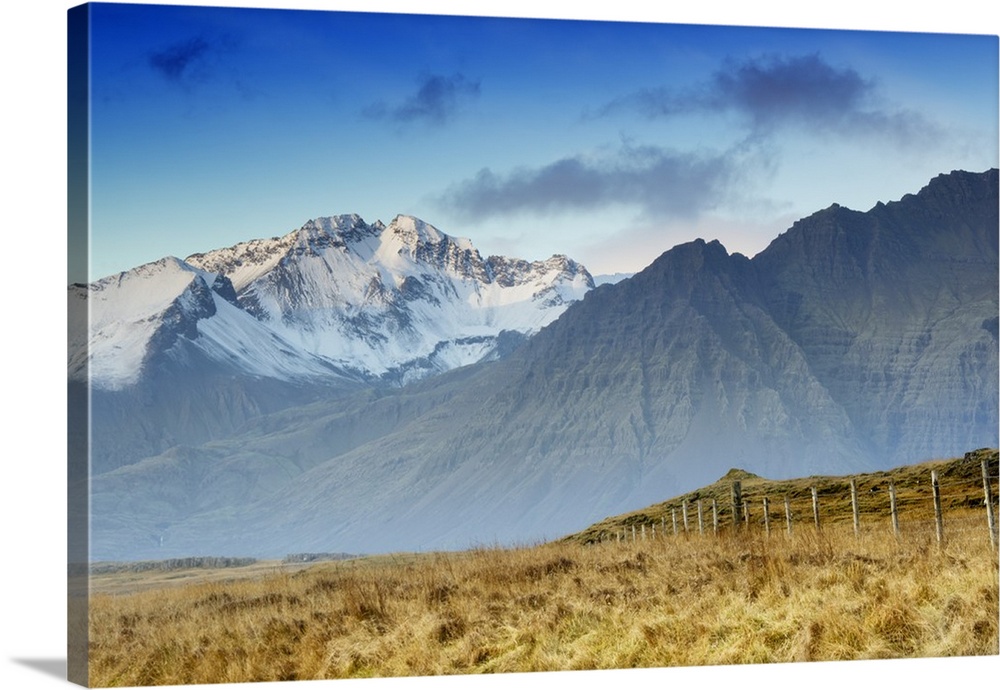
[(32, 314)]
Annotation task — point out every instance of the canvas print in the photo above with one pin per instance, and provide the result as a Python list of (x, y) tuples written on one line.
[(416, 345)]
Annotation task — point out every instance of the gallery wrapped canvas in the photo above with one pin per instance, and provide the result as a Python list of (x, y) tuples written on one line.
[(423, 345)]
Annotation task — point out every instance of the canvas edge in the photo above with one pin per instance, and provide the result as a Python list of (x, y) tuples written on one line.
[(78, 123), (78, 396)]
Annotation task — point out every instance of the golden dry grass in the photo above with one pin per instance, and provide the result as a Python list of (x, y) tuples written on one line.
[(732, 599), (589, 601)]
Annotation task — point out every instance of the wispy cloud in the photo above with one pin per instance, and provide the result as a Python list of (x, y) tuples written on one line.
[(179, 60), (660, 182), (776, 91), (435, 102)]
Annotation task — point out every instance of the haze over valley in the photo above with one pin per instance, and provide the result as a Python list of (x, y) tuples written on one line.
[(359, 387)]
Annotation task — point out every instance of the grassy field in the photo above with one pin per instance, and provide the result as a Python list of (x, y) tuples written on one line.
[(733, 598)]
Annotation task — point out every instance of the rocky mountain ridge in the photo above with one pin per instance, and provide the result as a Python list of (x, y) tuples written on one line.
[(336, 296)]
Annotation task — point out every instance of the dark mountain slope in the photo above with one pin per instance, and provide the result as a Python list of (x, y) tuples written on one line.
[(896, 311)]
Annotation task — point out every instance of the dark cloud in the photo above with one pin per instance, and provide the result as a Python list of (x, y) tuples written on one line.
[(775, 91), (778, 89), (178, 60), (436, 101), (659, 181)]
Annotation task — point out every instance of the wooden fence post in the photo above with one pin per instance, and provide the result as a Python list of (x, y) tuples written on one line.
[(746, 513), (673, 516), (633, 533), (715, 517), (644, 531), (892, 509), (788, 516), (938, 521), (684, 514), (701, 522), (854, 507), (767, 518), (663, 526), (815, 507), (991, 520), (737, 496)]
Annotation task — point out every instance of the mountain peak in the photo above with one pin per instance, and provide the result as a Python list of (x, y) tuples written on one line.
[(681, 262), (335, 231), (958, 187), (413, 231)]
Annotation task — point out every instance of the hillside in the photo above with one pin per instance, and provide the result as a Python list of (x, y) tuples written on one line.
[(960, 479)]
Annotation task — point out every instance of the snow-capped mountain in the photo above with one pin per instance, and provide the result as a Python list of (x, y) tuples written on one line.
[(397, 301), (337, 298), (611, 278)]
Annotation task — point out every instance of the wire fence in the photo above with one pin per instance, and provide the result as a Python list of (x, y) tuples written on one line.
[(946, 502)]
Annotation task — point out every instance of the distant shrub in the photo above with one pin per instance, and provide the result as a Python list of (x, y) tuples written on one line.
[(171, 564), (314, 557)]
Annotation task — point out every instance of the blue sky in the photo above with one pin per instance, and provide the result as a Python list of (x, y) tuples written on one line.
[(607, 141)]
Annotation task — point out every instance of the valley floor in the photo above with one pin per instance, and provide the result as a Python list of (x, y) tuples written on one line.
[(678, 601)]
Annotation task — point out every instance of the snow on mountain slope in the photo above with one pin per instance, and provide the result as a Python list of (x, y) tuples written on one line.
[(125, 312), (401, 300), (336, 298), (138, 315)]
